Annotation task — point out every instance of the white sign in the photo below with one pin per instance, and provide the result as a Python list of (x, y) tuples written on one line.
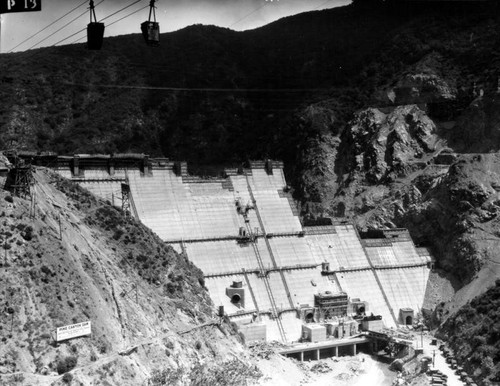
[(73, 331), (8, 6)]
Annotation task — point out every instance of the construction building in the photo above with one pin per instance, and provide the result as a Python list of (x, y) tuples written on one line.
[(274, 277)]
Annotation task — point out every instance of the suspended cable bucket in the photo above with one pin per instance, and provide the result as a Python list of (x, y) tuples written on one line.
[(95, 30), (151, 29)]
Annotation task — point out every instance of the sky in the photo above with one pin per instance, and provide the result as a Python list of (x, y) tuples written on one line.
[(172, 15)]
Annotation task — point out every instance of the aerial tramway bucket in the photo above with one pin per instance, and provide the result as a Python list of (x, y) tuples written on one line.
[(151, 32), (95, 31), (95, 36), (150, 28)]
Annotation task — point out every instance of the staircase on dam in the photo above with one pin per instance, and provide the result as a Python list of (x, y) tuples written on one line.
[(280, 261), (268, 245)]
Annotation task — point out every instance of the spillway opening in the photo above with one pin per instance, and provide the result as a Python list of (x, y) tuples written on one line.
[(409, 320), (235, 299), (309, 317)]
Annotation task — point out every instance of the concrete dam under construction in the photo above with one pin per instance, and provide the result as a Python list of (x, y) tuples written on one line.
[(272, 276)]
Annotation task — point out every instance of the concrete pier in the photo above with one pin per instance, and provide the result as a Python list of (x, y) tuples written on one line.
[(316, 349)]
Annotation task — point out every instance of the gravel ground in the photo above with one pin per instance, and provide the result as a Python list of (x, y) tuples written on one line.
[(361, 370)]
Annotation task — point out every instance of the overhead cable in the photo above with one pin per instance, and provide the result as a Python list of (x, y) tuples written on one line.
[(130, 14), (116, 21), (48, 26), (248, 15), (101, 20), (64, 26), (122, 9), (319, 6), (68, 37), (160, 88)]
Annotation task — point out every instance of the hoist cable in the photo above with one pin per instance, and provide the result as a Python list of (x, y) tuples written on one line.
[(319, 6), (116, 21), (130, 14), (64, 26), (248, 15), (160, 88), (48, 26), (124, 8), (100, 21)]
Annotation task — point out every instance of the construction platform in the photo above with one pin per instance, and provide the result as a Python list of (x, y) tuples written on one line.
[(242, 229)]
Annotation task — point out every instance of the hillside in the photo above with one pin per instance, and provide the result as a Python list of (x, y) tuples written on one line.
[(58, 98), (73, 258), (474, 335)]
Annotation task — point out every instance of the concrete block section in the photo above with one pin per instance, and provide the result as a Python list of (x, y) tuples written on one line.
[(253, 332), (372, 324), (363, 285), (314, 332), (343, 249), (292, 251), (107, 190), (404, 287), (214, 257)]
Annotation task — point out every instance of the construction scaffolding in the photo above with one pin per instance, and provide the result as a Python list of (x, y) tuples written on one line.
[(23, 180), (20, 176), (126, 198)]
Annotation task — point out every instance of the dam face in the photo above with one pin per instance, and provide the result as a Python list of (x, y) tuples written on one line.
[(273, 276)]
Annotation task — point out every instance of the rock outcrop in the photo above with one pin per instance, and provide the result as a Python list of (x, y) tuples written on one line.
[(420, 88), (424, 82), (383, 146), (391, 169)]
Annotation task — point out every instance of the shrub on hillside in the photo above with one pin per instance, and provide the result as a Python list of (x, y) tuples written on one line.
[(474, 334), (230, 373), (67, 378), (27, 233), (66, 364)]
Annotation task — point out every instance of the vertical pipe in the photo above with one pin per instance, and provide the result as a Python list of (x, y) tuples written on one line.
[(302, 356)]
